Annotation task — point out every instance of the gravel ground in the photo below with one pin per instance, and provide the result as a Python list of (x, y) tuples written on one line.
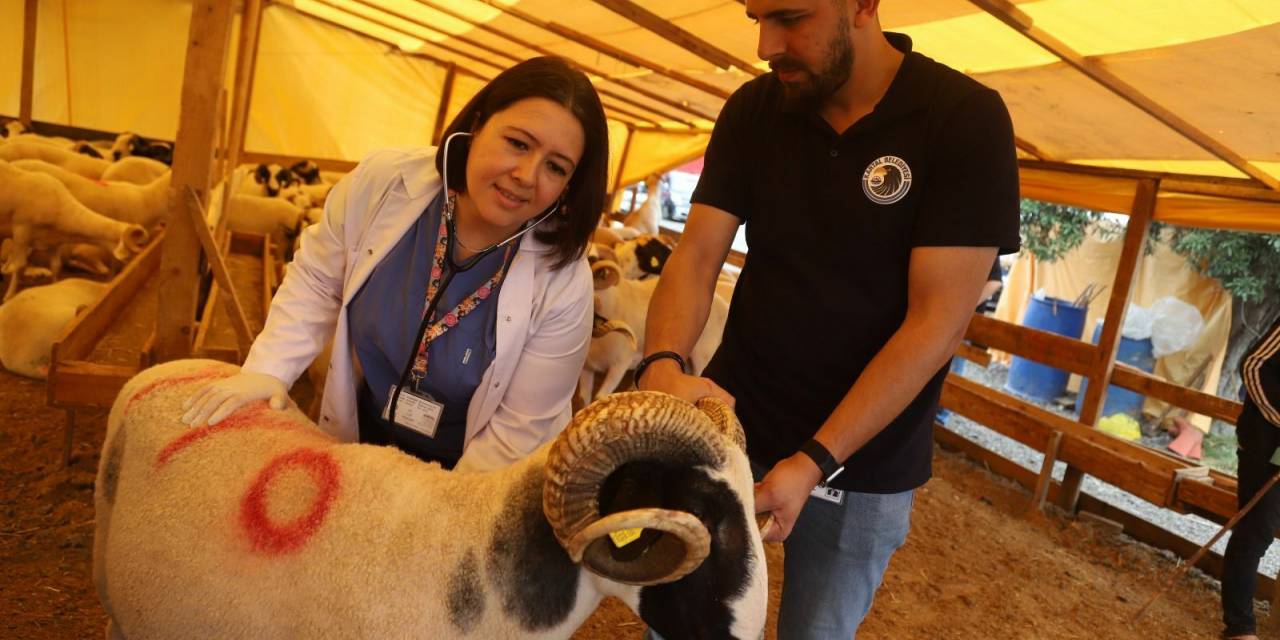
[(1191, 527)]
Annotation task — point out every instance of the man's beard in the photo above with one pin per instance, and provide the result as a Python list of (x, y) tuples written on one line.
[(835, 71)]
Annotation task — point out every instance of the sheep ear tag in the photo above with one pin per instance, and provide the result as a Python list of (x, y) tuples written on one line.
[(630, 544)]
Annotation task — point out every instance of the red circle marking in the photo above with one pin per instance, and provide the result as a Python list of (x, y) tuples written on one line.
[(275, 539)]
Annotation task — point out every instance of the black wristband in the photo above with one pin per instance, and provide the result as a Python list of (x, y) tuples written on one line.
[(826, 462), (653, 357)]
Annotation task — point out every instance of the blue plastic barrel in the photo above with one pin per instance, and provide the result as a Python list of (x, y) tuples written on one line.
[(1135, 353), (1031, 379)]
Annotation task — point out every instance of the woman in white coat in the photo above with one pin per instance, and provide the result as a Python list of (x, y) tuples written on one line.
[(500, 249)]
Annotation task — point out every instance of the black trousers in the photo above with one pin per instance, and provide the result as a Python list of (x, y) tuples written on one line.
[(1258, 439)]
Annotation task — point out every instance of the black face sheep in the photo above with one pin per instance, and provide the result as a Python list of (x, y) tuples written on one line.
[(132, 144), (263, 526)]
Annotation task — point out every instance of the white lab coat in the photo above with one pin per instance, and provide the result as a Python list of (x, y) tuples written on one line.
[(543, 320)]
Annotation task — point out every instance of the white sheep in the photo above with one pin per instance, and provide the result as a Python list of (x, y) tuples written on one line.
[(645, 219), (145, 205), (35, 317), (279, 218), (37, 209), (612, 352), (627, 301), (263, 526), (83, 165), (135, 170)]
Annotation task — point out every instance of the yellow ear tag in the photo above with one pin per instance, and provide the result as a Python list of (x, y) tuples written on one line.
[(624, 537)]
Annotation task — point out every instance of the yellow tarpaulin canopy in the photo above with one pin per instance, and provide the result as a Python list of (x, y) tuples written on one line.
[(1154, 85)]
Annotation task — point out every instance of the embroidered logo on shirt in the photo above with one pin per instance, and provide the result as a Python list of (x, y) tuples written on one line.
[(886, 180)]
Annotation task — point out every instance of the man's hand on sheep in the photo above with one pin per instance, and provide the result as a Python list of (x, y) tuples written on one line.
[(665, 375), (783, 492), (217, 400)]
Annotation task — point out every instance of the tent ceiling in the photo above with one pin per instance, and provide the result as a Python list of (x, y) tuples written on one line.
[(1214, 64)]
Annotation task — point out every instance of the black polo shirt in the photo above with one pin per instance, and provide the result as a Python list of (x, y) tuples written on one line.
[(831, 221)]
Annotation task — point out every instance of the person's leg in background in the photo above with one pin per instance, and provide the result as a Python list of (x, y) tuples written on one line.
[(1251, 536), (835, 559), (957, 367)]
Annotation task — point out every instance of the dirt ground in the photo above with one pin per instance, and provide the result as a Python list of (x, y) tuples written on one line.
[(976, 565)]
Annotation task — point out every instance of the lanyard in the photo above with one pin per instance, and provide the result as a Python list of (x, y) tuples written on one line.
[(467, 305)]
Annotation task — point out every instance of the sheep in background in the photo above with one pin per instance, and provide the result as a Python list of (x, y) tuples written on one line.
[(645, 219), (135, 170), (11, 127), (643, 257), (33, 319), (37, 209), (612, 353), (627, 301), (132, 144), (87, 149), (307, 171), (145, 205), (263, 526), (85, 166), (50, 259), (276, 217)]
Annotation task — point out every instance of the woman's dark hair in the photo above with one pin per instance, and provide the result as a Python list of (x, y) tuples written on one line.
[(552, 78)]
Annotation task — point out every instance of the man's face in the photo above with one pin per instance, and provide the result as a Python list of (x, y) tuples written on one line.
[(807, 43)]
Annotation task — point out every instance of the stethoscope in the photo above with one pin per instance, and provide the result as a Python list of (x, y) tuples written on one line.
[(451, 268)]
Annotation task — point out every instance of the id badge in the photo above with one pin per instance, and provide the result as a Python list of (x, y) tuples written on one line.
[(823, 492), (416, 411)]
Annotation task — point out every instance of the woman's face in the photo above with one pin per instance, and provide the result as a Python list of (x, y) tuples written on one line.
[(521, 161)]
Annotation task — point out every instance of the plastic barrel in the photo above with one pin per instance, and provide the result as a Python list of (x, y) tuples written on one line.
[(1135, 353), (1031, 379)]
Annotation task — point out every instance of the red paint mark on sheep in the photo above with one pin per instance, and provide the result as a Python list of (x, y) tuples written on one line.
[(253, 416), (276, 539), (165, 383)]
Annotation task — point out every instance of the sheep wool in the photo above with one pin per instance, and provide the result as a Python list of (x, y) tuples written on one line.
[(35, 317)]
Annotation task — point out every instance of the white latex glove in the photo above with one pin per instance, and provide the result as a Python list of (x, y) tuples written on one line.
[(217, 400)]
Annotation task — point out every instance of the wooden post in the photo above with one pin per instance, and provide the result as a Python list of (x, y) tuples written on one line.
[(446, 94), (28, 61), (246, 63), (192, 161), (1046, 471), (1135, 239)]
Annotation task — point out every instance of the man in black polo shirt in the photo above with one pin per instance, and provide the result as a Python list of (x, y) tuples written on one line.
[(877, 186)]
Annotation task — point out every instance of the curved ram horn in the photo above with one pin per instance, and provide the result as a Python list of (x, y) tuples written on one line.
[(622, 428)]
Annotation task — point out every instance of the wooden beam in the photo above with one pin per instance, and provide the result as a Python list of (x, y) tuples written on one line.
[(205, 68), (622, 162), (242, 96), (1135, 238), (326, 164), (1105, 356), (600, 73), (221, 275), (422, 25), (1127, 377), (1095, 69), (980, 357), (608, 49), (1052, 349), (668, 30), (1030, 148), (382, 21), (1133, 174), (442, 112), (1046, 471), (1219, 190), (30, 14)]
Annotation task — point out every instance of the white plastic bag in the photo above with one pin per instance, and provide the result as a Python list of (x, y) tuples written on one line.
[(1137, 323), (1176, 325)]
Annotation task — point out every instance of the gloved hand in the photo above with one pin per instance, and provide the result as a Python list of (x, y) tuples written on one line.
[(219, 399)]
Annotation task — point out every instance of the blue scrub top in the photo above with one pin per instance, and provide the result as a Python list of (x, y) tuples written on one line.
[(384, 316)]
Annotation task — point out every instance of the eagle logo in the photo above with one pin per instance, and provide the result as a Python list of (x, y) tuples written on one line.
[(886, 180)]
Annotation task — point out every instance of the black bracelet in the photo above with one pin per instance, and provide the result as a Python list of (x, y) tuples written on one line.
[(654, 357), (826, 462)]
